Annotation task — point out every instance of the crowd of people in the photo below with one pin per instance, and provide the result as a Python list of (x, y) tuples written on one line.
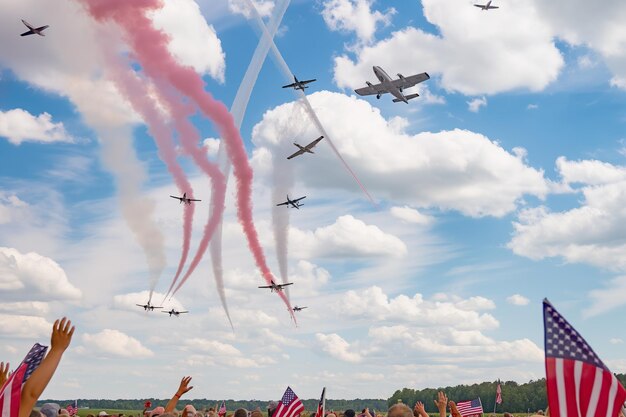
[(61, 337)]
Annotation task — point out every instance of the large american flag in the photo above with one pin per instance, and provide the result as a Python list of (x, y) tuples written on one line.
[(578, 383), (470, 408), (289, 406), (321, 405), (11, 391)]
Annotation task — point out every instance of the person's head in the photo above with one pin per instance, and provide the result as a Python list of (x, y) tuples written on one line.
[(188, 411), (399, 410), (241, 412), (50, 409), (156, 412), (349, 413), (256, 413), (35, 413), (103, 414), (64, 412), (541, 413)]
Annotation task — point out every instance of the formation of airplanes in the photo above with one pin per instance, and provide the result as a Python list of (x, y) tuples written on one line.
[(487, 6), (32, 30), (292, 203), (184, 199), (305, 149), (274, 287)]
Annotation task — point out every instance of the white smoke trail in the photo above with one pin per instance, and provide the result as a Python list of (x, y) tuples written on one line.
[(119, 157), (238, 110)]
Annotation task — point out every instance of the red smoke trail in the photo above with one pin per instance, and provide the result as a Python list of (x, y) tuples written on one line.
[(150, 48), (134, 90)]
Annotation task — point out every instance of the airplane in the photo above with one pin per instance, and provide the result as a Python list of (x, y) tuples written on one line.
[(296, 308), (276, 287), (305, 149), (174, 312), (293, 203), (395, 87), (147, 306), (33, 30), (299, 85), (184, 199), (487, 6)]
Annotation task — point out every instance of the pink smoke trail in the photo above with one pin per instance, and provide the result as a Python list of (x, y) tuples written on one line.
[(150, 48), (134, 90)]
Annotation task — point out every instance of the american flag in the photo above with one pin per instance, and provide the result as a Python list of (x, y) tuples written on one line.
[(470, 408), (222, 410), (499, 394), (72, 408), (11, 391), (578, 383), (321, 405), (289, 406)]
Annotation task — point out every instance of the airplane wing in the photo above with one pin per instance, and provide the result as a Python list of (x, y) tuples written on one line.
[(182, 312), (267, 286), (298, 199), (140, 305), (43, 27), (406, 82), (290, 85), (177, 198), (308, 81), (30, 32), (493, 7), (480, 5), (315, 142), (191, 199), (371, 89), (28, 25), (283, 204), (157, 307), (296, 153), (284, 285)]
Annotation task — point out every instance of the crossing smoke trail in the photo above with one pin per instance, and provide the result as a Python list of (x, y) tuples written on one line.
[(150, 49), (238, 110), (288, 75), (134, 90)]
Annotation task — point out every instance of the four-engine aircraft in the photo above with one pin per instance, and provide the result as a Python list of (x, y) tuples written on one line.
[(293, 203), (394, 87), (184, 199), (33, 30), (305, 149), (299, 85)]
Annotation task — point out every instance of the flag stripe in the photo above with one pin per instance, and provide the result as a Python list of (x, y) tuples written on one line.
[(578, 371), (560, 386)]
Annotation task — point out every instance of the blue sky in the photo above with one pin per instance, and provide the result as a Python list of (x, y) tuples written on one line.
[(502, 184)]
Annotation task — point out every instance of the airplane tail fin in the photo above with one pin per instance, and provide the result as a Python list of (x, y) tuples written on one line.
[(409, 97)]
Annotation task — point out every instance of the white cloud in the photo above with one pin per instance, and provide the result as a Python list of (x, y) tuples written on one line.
[(532, 107), (212, 146), (193, 41), (464, 57), (410, 215), (11, 208), (518, 300), (608, 298), (586, 62), (27, 308), (18, 125), (115, 343), (355, 16), (458, 169), (337, 347), (264, 7), (616, 341), (24, 326), (475, 104), (31, 276)]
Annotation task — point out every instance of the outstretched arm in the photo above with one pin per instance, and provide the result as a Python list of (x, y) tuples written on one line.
[(62, 332), (419, 410), (183, 388), (441, 403), (4, 373)]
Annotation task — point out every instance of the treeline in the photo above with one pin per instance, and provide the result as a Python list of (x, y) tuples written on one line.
[(231, 405), (516, 398)]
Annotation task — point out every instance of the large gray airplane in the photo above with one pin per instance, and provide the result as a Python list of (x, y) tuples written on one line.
[(33, 30), (487, 6), (394, 87)]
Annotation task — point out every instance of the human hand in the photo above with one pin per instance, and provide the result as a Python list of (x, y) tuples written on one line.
[(184, 386), (442, 401), (419, 409), (62, 332), (4, 372), (453, 410)]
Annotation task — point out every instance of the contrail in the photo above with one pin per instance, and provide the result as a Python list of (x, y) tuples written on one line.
[(150, 49), (238, 111), (289, 76), (135, 91)]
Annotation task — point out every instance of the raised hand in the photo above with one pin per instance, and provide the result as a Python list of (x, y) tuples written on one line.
[(4, 372), (453, 410), (441, 402), (184, 386), (62, 332), (419, 409)]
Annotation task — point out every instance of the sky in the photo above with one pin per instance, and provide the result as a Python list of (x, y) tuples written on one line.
[(502, 184)]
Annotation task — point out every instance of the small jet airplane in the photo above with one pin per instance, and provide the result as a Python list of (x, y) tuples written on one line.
[(395, 87), (33, 30), (174, 312), (184, 199), (487, 6), (276, 287), (294, 203), (296, 308), (148, 306), (305, 149), (299, 85)]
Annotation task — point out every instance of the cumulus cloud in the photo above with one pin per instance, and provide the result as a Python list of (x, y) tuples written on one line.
[(212, 146), (355, 16), (27, 308), (612, 296), (518, 300), (337, 347), (464, 58), (24, 326), (264, 7), (18, 125), (475, 104), (34, 277), (410, 215), (459, 169), (193, 41), (112, 342)]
